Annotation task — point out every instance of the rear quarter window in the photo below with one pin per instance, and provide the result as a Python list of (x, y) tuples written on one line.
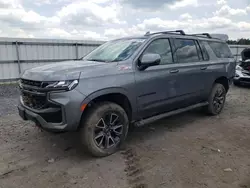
[(220, 49)]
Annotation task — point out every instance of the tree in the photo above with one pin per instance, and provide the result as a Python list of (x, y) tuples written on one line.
[(241, 41)]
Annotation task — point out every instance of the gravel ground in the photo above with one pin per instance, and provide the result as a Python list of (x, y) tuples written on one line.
[(8, 99), (188, 150)]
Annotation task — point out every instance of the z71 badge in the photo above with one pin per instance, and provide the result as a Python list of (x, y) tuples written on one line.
[(124, 67)]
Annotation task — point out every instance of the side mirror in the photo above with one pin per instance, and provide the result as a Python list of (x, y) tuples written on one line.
[(148, 60)]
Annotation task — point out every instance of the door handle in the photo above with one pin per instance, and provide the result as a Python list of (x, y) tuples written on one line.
[(174, 71), (203, 68)]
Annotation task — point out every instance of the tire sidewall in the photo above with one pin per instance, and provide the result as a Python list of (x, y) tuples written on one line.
[(89, 126), (211, 108)]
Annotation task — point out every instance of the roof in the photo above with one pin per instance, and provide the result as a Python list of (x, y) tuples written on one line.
[(202, 36), (178, 33)]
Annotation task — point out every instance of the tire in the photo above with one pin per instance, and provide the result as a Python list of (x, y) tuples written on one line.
[(216, 99), (101, 132)]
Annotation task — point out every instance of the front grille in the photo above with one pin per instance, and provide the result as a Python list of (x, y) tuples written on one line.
[(37, 84), (34, 101), (34, 96), (31, 83)]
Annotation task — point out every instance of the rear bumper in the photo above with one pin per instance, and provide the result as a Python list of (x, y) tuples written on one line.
[(66, 116)]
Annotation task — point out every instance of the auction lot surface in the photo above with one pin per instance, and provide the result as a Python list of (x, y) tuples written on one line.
[(188, 150)]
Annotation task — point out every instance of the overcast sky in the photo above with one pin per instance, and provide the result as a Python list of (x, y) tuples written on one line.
[(108, 19)]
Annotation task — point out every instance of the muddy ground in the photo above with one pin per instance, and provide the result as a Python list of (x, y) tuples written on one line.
[(189, 150)]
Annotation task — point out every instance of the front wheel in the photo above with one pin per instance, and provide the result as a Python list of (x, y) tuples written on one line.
[(217, 99), (104, 129)]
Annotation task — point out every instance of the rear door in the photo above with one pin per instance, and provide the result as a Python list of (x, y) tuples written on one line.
[(220, 63), (189, 59), (208, 67)]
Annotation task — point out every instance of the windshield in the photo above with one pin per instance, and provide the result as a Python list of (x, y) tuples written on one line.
[(117, 50)]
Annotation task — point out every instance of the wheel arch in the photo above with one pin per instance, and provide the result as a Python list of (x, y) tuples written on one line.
[(117, 95), (224, 81)]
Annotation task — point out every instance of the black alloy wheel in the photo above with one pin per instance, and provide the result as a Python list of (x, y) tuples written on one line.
[(216, 100), (108, 131), (104, 129), (219, 99)]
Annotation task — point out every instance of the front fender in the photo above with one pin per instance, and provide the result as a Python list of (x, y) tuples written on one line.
[(112, 90), (106, 91)]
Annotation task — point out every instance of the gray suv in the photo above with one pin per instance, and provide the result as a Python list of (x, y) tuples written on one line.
[(128, 82)]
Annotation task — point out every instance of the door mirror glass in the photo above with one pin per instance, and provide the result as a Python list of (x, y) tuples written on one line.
[(150, 59)]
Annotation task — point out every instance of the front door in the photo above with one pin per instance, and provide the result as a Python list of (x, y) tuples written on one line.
[(156, 87)]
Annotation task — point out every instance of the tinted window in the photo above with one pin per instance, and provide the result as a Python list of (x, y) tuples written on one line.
[(204, 51), (220, 49), (199, 50), (186, 50), (161, 47)]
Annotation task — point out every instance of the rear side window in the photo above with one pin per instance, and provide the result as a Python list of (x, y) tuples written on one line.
[(220, 49), (185, 50)]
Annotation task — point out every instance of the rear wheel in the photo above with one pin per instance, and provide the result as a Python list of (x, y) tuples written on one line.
[(217, 99), (104, 129)]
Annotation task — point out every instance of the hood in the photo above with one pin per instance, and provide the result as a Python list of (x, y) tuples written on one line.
[(245, 54), (67, 70)]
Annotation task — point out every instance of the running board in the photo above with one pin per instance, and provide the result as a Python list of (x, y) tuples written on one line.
[(162, 116)]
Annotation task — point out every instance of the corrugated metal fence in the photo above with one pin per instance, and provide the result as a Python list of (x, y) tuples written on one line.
[(18, 54)]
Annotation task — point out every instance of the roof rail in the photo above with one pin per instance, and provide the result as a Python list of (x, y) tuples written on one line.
[(181, 32), (206, 34)]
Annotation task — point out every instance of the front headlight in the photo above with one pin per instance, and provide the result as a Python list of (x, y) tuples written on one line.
[(63, 85)]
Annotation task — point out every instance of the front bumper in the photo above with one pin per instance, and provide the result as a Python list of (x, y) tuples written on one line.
[(241, 78), (64, 116)]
